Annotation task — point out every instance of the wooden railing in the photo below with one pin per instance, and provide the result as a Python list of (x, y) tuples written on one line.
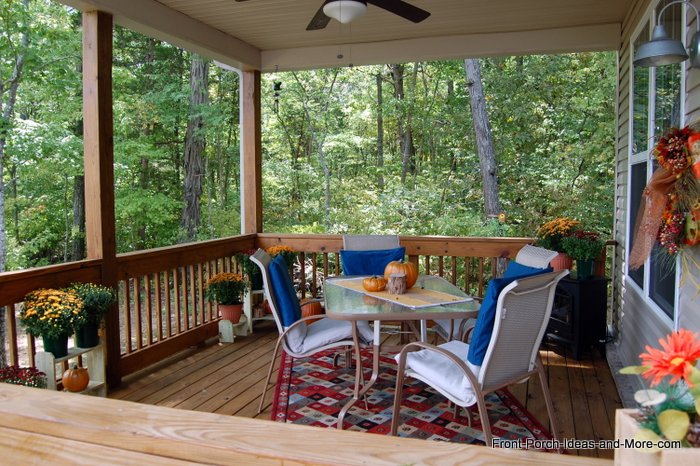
[(162, 309)]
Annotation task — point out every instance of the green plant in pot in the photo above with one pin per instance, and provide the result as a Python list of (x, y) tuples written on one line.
[(228, 290), (52, 314), (250, 269), (584, 247), (97, 300)]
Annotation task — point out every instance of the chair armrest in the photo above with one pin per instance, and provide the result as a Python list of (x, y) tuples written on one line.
[(298, 322)]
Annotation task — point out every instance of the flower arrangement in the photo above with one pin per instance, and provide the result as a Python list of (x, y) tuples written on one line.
[(551, 234), (27, 376), (671, 198), (671, 410), (287, 252), (583, 245), (226, 288), (97, 300), (50, 312)]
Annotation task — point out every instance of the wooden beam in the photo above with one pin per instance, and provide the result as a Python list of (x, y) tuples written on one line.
[(155, 19), (251, 154), (545, 41), (99, 165)]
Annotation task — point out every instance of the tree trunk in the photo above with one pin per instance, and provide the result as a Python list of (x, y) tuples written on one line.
[(78, 233), (194, 148), (484, 140), (408, 164), (380, 133)]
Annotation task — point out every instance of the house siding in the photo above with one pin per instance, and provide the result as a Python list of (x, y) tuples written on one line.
[(637, 323)]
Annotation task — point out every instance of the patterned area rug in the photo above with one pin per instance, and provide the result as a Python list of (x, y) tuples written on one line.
[(310, 391)]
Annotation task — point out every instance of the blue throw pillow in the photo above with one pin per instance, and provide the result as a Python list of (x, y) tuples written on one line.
[(481, 336), (369, 262), (283, 291), (517, 269)]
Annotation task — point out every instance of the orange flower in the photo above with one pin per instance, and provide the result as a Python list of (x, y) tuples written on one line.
[(680, 352)]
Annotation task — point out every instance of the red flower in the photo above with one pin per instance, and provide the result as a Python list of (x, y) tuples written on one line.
[(681, 351)]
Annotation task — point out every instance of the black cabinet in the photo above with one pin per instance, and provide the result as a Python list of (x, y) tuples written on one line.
[(579, 314)]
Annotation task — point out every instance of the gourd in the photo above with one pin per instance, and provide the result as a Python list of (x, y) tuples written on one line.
[(76, 379), (374, 283), (407, 268)]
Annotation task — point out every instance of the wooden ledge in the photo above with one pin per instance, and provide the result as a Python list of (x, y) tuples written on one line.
[(60, 427)]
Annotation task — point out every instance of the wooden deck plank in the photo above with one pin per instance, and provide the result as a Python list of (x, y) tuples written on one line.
[(561, 394), (583, 423)]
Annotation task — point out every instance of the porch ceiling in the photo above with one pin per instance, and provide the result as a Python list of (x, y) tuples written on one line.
[(264, 34)]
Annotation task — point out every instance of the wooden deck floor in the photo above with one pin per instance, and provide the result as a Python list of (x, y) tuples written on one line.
[(227, 379)]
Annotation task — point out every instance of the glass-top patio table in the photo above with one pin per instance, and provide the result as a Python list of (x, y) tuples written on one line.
[(429, 299)]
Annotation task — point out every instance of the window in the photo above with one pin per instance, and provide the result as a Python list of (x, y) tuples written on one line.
[(656, 107)]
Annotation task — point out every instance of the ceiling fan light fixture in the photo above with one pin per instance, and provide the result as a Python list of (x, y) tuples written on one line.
[(344, 11)]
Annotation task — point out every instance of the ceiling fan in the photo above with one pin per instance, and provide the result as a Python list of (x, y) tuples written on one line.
[(348, 10)]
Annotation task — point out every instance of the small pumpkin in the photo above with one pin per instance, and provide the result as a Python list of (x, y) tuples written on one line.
[(308, 309), (407, 268), (76, 379), (374, 283)]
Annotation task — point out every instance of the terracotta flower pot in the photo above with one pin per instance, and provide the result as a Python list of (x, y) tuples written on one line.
[(231, 312), (562, 262)]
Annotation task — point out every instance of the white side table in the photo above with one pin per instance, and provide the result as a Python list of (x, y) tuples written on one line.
[(228, 331), (93, 360)]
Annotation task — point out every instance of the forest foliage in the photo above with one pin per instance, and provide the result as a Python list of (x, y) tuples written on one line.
[(552, 120)]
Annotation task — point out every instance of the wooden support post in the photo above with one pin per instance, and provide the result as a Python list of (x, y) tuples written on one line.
[(99, 166), (251, 154)]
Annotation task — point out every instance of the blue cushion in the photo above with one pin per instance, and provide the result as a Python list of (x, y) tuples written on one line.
[(481, 336), (369, 262), (517, 269), (283, 292)]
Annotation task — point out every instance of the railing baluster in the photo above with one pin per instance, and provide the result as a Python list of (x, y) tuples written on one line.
[(426, 264), (137, 307), (11, 328), (127, 316), (185, 302), (481, 276), (31, 349), (178, 302), (467, 275), (314, 275), (149, 310), (454, 270), (193, 293), (200, 289), (325, 266), (159, 306), (441, 266), (302, 278), (337, 264)]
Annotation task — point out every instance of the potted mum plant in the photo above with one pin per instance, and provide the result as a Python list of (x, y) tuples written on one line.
[(669, 411), (288, 253), (550, 236), (97, 300), (27, 376), (228, 290), (52, 314), (584, 247)]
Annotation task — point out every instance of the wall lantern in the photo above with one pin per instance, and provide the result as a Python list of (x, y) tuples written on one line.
[(662, 50)]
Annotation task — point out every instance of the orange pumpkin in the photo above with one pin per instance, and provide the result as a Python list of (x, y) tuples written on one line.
[(310, 308), (374, 283), (407, 268), (76, 379)]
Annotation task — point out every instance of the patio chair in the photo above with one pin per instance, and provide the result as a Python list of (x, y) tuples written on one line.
[(509, 353), (530, 260), (296, 337), (369, 254)]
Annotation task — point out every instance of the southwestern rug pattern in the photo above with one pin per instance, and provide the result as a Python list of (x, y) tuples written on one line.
[(310, 391)]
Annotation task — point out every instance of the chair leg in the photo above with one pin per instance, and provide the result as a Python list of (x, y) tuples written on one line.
[(485, 423), (396, 414), (269, 375), (548, 400)]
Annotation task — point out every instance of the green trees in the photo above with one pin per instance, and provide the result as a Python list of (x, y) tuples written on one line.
[(369, 149)]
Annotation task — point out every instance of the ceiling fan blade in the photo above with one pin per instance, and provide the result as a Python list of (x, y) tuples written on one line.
[(401, 8), (319, 21)]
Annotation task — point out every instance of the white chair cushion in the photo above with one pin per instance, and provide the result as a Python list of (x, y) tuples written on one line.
[(443, 373), (295, 338), (326, 331), (532, 256)]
